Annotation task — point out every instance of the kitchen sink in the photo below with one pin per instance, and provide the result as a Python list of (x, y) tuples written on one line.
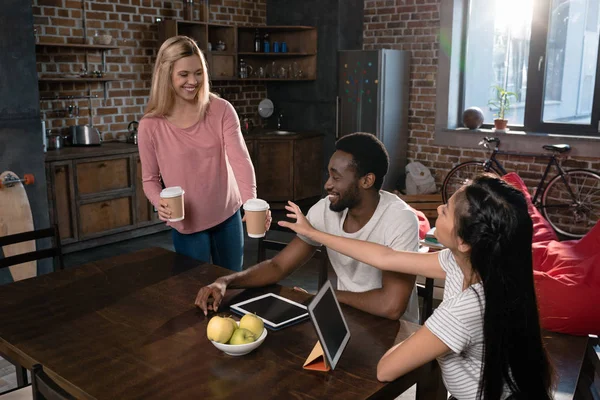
[(281, 133)]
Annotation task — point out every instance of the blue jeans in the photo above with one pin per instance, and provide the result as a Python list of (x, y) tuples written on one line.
[(224, 243)]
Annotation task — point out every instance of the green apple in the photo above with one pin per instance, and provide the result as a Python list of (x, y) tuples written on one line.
[(242, 336), (219, 329), (253, 323)]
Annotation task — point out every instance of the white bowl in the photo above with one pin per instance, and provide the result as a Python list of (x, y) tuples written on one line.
[(241, 349)]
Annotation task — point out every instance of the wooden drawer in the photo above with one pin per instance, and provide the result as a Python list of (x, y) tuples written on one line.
[(103, 175), (105, 215)]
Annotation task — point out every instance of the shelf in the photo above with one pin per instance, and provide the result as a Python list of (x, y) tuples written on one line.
[(276, 79), (221, 53), (79, 79), (186, 22), (224, 78), (274, 28), (287, 54), (78, 46)]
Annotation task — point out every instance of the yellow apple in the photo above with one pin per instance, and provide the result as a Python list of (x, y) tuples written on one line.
[(253, 323), (242, 336), (219, 329), (235, 325)]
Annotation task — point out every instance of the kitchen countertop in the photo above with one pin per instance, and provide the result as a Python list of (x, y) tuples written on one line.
[(114, 148), (105, 149), (262, 133)]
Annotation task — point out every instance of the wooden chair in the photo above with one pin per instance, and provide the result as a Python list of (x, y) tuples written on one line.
[(426, 292), (55, 251), (44, 388), (265, 244)]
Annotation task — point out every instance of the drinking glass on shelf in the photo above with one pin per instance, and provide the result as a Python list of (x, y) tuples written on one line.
[(282, 73)]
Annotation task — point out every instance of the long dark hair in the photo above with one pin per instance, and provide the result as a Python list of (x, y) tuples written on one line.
[(492, 218)]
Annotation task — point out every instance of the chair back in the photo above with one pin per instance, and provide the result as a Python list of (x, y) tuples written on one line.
[(44, 388), (265, 244), (54, 252), (426, 292)]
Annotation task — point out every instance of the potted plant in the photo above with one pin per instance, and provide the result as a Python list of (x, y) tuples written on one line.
[(502, 104)]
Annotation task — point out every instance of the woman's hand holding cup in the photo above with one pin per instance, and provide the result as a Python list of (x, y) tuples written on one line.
[(164, 213)]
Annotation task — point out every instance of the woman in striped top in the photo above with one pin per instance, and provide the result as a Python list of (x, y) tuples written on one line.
[(486, 332)]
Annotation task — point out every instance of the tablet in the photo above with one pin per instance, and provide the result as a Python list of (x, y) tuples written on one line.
[(330, 324), (276, 312)]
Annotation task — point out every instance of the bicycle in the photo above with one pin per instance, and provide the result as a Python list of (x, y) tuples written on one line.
[(570, 201)]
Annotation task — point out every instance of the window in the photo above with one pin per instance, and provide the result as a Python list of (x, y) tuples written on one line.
[(544, 51)]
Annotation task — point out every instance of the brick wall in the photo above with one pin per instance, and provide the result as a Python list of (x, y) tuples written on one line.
[(131, 23), (413, 25)]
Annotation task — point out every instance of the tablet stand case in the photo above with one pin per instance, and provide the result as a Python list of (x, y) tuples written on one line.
[(316, 360)]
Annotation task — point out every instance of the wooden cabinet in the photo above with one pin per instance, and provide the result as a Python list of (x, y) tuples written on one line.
[(61, 194), (287, 167), (298, 63), (98, 198), (144, 209)]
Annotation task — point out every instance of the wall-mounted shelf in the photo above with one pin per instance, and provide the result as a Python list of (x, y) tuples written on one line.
[(79, 79), (253, 54), (276, 79), (301, 42), (87, 80), (78, 46)]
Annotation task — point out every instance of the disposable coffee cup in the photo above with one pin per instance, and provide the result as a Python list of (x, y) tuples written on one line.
[(256, 217), (174, 197)]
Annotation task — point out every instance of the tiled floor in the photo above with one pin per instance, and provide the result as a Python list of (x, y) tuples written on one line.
[(305, 277)]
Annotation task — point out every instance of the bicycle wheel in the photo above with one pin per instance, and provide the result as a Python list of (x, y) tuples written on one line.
[(572, 216), (461, 175)]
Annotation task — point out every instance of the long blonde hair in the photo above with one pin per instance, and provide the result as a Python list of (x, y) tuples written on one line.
[(162, 93)]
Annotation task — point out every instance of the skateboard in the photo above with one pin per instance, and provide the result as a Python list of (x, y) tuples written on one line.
[(15, 217)]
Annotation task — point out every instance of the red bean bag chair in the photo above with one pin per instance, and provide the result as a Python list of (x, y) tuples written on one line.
[(542, 230), (424, 225), (566, 275)]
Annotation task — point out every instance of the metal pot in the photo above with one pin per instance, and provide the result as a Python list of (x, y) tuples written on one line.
[(55, 142), (84, 135)]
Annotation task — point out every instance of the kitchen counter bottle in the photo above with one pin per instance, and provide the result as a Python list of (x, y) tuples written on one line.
[(257, 42)]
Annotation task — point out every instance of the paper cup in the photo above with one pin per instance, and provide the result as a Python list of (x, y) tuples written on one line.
[(174, 197), (256, 217)]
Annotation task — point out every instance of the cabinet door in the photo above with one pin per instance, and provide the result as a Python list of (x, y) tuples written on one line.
[(61, 197), (102, 175), (144, 209), (274, 165), (100, 217), (308, 164)]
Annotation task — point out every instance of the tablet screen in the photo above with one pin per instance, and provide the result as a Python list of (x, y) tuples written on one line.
[(329, 322), (274, 310)]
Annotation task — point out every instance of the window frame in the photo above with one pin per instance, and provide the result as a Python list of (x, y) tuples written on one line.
[(449, 93)]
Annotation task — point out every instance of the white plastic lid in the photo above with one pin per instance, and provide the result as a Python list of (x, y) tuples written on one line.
[(256, 205), (172, 191)]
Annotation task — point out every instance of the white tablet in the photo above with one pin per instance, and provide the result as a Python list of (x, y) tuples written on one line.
[(277, 312), (330, 324)]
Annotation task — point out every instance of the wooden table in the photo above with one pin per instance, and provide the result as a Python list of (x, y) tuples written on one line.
[(567, 354), (126, 327)]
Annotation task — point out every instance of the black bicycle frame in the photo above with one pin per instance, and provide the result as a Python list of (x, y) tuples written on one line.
[(552, 161)]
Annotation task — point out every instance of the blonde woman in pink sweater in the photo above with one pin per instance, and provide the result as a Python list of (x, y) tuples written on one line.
[(192, 138)]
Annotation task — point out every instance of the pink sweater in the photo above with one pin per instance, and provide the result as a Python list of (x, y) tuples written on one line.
[(209, 160)]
